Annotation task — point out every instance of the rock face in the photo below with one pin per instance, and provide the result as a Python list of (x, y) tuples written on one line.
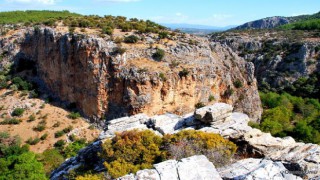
[(87, 72), (256, 169), (279, 60), (192, 168), (300, 159), (266, 23)]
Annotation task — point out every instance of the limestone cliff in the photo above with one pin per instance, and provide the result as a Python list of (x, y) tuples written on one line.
[(90, 72), (283, 59)]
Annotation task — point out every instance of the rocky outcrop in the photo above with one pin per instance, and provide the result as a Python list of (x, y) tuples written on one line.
[(192, 168), (280, 58), (214, 113), (299, 159), (256, 169), (88, 72), (266, 23)]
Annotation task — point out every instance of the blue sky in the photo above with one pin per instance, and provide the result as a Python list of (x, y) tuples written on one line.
[(203, 12)]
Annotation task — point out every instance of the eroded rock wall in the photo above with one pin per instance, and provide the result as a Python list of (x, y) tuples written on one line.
[(87, 71)]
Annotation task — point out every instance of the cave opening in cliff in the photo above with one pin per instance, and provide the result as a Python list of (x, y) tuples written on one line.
[(24, 65)]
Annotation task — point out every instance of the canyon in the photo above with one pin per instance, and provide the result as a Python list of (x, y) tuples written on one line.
[(88, 72)]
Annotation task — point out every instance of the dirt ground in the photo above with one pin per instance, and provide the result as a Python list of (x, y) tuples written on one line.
[(54, 117)]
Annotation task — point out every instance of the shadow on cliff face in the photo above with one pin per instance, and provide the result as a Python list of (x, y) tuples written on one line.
[(26, 68)]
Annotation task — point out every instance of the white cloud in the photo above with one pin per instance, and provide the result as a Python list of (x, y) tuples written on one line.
[(46, 2)]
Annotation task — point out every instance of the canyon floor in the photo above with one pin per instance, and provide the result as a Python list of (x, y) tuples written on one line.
[(54, 118)]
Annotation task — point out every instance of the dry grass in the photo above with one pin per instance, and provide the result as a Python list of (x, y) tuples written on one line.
[(50, 114)]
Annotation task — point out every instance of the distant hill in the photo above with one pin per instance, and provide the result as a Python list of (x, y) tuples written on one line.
[(197, 29), (276, 21)]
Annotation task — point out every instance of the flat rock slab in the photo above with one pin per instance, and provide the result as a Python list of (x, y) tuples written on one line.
[(216, 112), (192, 168), (257, 169)]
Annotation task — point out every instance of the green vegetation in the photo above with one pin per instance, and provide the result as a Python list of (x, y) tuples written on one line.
[(189, 143), (184, 73), (32, 118), (32, 141), (16, 161), (9, 121), (313, 24), (60, 144), (17, 112), (287, 115), (163, 34), (50, 159), (199, 105), (237, 83), (74, 115), (211, 98), (63, 132), (162, 76), (119, 50), (158, 55), (133, 150), (30, 17), (131, 39)]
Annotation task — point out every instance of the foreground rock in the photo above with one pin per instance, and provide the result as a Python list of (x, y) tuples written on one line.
[(192, 168), (257, 169), (214, 113), (301, 159), (124, 124)]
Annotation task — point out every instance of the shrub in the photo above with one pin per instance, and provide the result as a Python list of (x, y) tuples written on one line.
[(184, 73), (17, 112), (51, 159), (33, 141), (44, 136), (59, 134), (67, 129), (158, 55), (73, 148), (74, 115), (32, 118), (162, 76), (89, 177), (119, 50), (211, 98), (131, 39), (40, 127), (228, 92), (190, 142), (133, 150), (130, 151), (237, 83), (118, 40), (10, 121), (163, 34), (21, 84), (59, 144), (107, 30), (174, 64), (199, 105)]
